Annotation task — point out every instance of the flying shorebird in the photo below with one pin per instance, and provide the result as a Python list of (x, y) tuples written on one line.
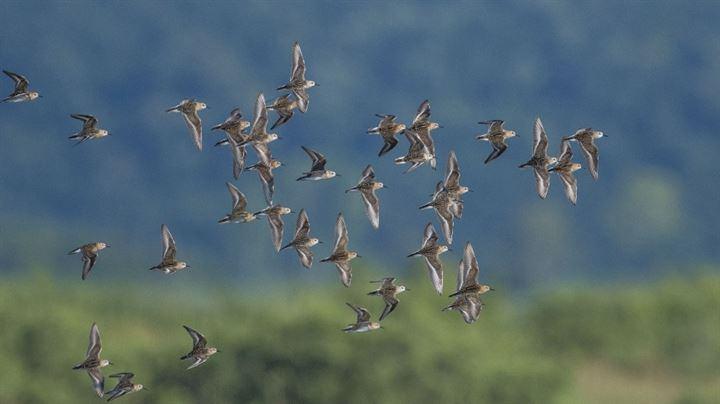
[(274, 215), (317, 171), (189, 109), (496, 135), (367, 187), (298, 84), (540, 159), (239, 213), (284, 106), (469, 306), (200, 352), (387, 128), (452, 186), (124, 386), (264, 167), (418, 153), (431, 251), (89, 130), (445, 208), (89, 255), (388, 291), (258, 130), (565, 168), (362, 323), (586, 139), (341, 256), (169, 264), (93, 363), (302, 241), (468, 303), (468, 273), (422, 126), (21, 92), (234, 127)]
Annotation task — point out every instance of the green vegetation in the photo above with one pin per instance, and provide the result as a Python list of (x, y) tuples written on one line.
[(656, 343)]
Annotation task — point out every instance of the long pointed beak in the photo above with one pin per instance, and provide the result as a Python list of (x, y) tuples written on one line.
[(493, 289)]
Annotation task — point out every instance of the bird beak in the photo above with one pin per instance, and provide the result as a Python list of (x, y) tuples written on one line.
[(450, 249), (110, 363), (338, 175), (493, 289), (40, 96), (470, 190), (407, 290), (440, 126), (188, 266), (320, 242), (107, 245), (358, 256), (385, 186)]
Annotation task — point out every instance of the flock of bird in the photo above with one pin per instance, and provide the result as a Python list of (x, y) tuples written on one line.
[(446, 201)]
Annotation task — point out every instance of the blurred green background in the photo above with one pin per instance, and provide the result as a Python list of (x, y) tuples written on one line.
[(613, 300)]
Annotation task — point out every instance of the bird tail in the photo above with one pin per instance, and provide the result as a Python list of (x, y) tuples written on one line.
[(400, 160), (304, 177), (373, 131), (523, 165), (374, 293), (414, 254), (285, 246), (75, 251), (224, 220)]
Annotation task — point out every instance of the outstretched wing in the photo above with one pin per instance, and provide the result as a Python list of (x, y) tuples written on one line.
[(199, 340), (423, 112), (372, 206), (98, 381), (89, 121), (318, 160), (430, 236), (21, 83), (591, 154), (540, 140), (362, 314), (238, 198), (302, 226), (168, 244), (261, 118), (94, 346), (341, 234), (542, 181), (298, 65), (192, 119)]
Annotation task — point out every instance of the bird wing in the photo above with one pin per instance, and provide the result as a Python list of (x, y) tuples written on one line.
[(198, 361), (423, 112), (168, 244), (98, 381), (192, 119), (540, 140), (298, 65), (496, 125), (570, 185), (94, 346), (362, 313), (499, 148), (89, 121), (268, 181), (372, 206), (471, 267), (89, 259), (21, 83), (542, 181), (430, 236), (318, 160), (591, 154), (345, 272), (341, 234), (276, 230), (303, 99), (390, 303), (199, 340), (446, 219), (302, 225), (389, 144), (261, 118), (452, 171), (306, 256), (262, 150), (435, 271), (565, 153), (238, 198), (367, 174)]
